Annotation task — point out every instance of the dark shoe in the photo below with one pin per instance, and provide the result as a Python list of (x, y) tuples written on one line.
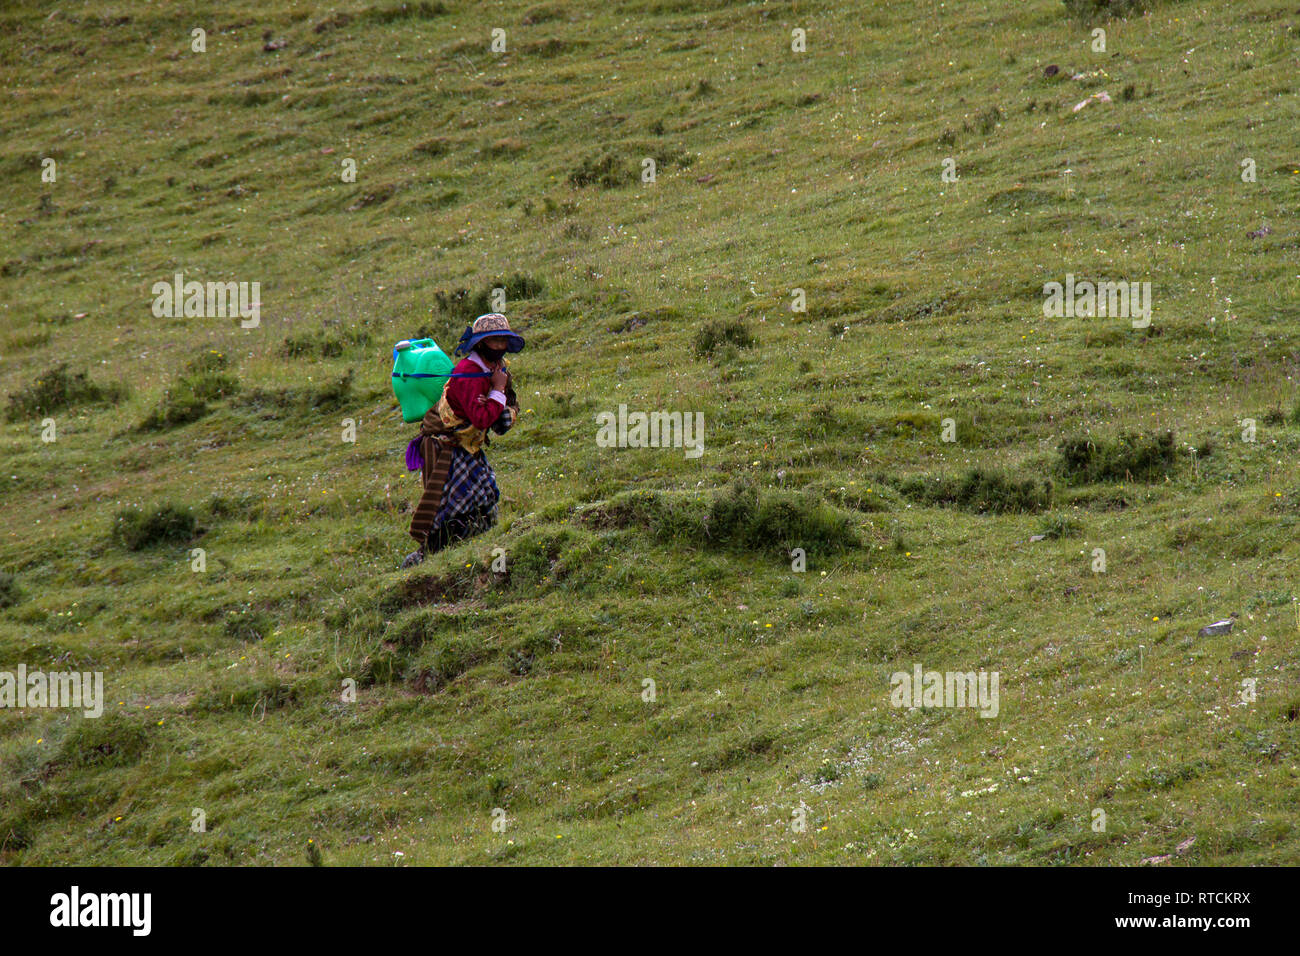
[(412, 559)]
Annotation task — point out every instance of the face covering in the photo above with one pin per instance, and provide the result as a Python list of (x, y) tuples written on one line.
[(491, 355)]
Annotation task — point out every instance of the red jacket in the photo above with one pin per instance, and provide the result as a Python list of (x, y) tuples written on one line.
[(463, 394)]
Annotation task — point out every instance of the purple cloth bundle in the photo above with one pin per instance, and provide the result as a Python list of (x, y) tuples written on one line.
[(414, 460)]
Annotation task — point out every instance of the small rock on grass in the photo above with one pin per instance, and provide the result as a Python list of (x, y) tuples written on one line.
[(1215, 629)]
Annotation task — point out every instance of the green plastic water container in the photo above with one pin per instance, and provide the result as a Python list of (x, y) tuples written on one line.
[(420, 370)]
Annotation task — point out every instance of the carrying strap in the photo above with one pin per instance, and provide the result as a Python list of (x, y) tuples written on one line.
[(441, 374)]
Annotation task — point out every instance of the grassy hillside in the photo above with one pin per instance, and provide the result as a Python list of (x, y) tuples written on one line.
[(776, 171)]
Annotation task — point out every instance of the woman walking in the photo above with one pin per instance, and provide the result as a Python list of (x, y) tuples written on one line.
[(460, 489)]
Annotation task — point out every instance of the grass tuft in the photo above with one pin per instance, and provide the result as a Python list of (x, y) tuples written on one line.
[(57, 389), (739, 517), (10, 594), (1130, 457), (981, 491), (137, 529), (715, 334)]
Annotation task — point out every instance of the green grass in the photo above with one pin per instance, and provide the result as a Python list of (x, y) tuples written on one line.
[(650, 680)]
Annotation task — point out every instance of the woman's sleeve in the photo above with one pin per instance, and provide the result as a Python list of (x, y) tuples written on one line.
[(509, 414), (465, 392)]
